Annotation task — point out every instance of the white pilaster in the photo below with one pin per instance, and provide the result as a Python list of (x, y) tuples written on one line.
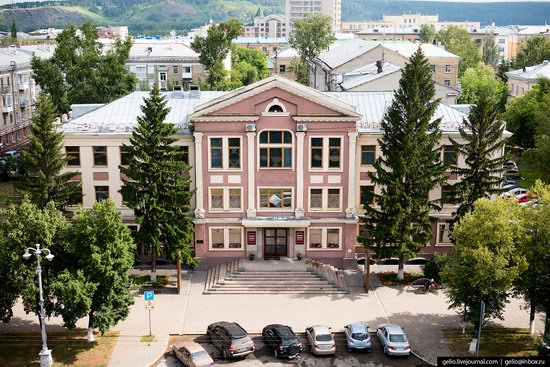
[(299, 212), (199, 210), (352, 184), (251, 210)]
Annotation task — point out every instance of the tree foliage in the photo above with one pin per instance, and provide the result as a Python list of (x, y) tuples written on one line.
[(533, 52), (539, 156), (312, 35), (481, 80), (458, 41), (427, 33), (483, 141), (482, 267), (214, 48), (96, 282), (490, 50), (42, 161), (13, 30), (24, 225), (82, 71), (157, 186), (248, 65), (408, 168)]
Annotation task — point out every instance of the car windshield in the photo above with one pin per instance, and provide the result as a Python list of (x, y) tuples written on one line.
[(397, 338), (201, 354), (359, 336), (323, 338), (290, 341)]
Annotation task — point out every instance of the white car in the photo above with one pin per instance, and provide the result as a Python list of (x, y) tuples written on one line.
[(393, 340), (518, 191), (320, 340)]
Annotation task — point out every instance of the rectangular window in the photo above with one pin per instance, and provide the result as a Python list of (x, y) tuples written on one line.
[(162, 77), (282, 68), (184, 150), (447, 195), (443, 233), (432, 67), (175, 69), (447, 82), (216, 153), (225, 199), (101, 193), (334, 147), (275, 198), (100, 156), (216, 199), (226, 238), (450, 154), (367, 195), (447, 68), (235, 240), (73, 153), (275, 149), (235, 199), (124, 156), (368, 154), (333, 238), (216, 238), (316, 152), (186, 69), (333, 201), (324, 238), (316, 198), (234, 145), (315, 238), (141, 72), (77, 198)]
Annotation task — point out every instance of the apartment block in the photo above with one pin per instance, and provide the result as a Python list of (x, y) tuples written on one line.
[(269, 26), (298, 9)]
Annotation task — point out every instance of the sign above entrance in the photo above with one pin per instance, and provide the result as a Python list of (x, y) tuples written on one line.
[(251, 238), (299, 237)]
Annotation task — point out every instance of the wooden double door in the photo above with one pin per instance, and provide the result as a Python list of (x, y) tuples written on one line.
[(275, 243)]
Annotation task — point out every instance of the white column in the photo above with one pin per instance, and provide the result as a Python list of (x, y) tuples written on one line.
[(352, 154), (299, 212), (251, 211), (199, 210)]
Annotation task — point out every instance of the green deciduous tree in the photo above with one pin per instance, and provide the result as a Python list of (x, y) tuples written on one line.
[(214, 48), (312, 35), (42, 161), (458, 41), (82, 71), (490, 50), (481, 146), (481, 80), (23, 226), (408, 168), (100, 253), (539, 156), (533, 52), (427, 33), (248, 65), (158, 185), (483, 267)]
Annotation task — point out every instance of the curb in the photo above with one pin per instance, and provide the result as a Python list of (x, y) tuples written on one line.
[(422, 358)]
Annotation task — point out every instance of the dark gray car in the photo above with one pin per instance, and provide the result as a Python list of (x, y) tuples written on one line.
[(231, 339)]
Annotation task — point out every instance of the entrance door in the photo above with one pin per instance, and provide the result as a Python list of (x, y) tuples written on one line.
[(275, 242)]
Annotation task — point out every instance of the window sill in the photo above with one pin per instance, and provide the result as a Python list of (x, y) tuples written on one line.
[(444, 244), (221, 170), (277, 168), (216, 211), (323, 249), (226, 249), (327, 170)]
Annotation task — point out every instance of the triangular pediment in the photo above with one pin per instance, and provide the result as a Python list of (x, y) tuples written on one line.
[(296, 99)]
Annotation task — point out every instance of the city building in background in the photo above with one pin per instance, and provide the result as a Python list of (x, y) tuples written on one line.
[(113, 32), (521, 81), (298, 9), (413, 21), (269, 26), (268, 45)]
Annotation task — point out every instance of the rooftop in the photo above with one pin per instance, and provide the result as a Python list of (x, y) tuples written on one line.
[(260, 40), (531, 73), (161, 50), (367, 74), (407, 49), (346, 51), (22, 55)]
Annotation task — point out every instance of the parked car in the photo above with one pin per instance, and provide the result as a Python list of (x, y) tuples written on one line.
[(191, 354), (357, 336), (393, 340), (523, 198), (508, 187), (515, 191), (11, 154), (283, 341), (320, 340), (231, 339)]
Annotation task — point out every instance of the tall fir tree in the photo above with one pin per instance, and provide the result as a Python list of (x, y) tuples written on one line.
[(408, 168), (483, 138), (490, 50), (42, 161), (13, 30), (157, 186)]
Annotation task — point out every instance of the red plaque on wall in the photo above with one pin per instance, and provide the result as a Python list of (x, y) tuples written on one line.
[(251, 238), (299, 237)]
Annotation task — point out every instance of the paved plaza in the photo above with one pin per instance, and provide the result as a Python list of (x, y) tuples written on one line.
[(422, 315)]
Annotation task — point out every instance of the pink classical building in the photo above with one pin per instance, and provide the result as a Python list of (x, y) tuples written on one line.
[(280, 169)]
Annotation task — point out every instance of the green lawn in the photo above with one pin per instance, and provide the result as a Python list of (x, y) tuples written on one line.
[(500, 342), (69, 348)]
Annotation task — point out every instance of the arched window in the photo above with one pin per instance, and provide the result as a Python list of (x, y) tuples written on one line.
[(275, 149), (275, 109)]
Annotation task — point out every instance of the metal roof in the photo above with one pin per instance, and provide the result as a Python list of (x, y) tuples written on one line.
[(22, 56), (408, 49), (346, 51), (367, 74), (260, 40), (532, 73)]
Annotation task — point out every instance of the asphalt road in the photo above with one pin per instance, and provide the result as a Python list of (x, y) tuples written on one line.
[(263, 356)]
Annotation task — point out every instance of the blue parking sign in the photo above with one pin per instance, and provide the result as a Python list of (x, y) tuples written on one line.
[(148, 296)]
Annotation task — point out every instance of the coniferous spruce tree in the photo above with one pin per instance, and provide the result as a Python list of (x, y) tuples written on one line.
[(482, 134), (42, 161), (408, 168), (157, 187)]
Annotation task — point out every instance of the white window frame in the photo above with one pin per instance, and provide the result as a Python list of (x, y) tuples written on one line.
[(437, 241), (324, 199), (324, 237), (225, 154), (225, 200), (225, 239), (285, 209), (447, 68), (326, 147), (143, 76), (282, 146)]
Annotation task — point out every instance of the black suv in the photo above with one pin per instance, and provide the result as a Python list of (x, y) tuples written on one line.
[(283, 341), (231, 339)]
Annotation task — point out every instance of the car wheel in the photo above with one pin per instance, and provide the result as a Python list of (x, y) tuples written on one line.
[(225, 353), (276, 353)]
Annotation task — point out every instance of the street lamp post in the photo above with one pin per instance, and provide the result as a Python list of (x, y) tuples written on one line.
[(45, 354)]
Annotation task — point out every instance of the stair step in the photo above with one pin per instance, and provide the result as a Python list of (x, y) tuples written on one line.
[(247, 277), (274, 286), (256, 291), (274, 281)]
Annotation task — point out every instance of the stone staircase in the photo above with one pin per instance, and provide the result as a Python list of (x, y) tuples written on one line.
[(283, 276)]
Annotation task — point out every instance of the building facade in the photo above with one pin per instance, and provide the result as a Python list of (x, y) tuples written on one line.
[(269, 26), (404, 21), (522, 80), (269, 46), (298, 9), (18, 93), (279, 168)]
